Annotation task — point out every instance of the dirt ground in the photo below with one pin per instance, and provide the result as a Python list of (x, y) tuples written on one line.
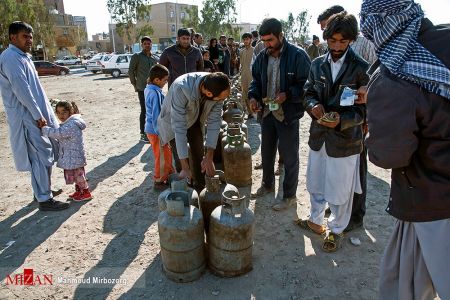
[(115, 235)]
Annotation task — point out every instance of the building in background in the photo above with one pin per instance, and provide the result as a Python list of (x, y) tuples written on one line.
[(70, 35), (57, 5), (165, 19), (100, 43), (70, 32)]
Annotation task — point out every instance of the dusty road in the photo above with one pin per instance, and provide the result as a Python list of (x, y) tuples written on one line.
[(115, 236)]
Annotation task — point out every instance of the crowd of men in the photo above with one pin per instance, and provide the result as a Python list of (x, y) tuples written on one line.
[(385, 87)]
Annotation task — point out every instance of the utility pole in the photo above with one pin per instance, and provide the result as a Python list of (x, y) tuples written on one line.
[(112, 33), (176, 16)]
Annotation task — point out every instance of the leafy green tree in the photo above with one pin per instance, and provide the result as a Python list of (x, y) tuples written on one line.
[(218, 17), (296, 29), (192, 20), (125, 14), (33, 12)]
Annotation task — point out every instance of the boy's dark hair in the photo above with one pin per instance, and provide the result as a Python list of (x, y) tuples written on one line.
[(247, 35), (342, 23), (315, 37), (255, 33), (327, 13), (216, 83), (270, 25), (230, 38), (158, 71), (222, 36), (204, 52), (145, 38), (197, 35), (183, 32), (17, 26)]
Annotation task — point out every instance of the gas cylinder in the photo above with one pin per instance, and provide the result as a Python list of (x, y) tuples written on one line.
[(230, 237), (231, 129), (181, 237), (237, 161), (211, 196), (239, 119), (177, 184), (232, 108)]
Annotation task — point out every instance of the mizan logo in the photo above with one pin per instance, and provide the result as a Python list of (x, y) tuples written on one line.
[(29, 278)]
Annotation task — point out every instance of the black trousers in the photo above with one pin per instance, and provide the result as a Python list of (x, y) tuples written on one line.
[(359, 200), (142, 115), (286, 136), (196, 153)]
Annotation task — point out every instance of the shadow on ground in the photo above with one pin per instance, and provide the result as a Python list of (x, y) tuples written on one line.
[(29, 227)]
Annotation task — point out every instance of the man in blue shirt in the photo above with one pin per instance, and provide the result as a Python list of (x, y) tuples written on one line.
[(28, 110)]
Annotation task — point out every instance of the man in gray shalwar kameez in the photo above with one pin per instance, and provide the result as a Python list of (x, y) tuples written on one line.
[(28, 110), (408, 111)]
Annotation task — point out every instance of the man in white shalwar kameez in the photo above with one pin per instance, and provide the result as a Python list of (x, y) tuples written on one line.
[(408, 104), (28, 110), (336, 130)]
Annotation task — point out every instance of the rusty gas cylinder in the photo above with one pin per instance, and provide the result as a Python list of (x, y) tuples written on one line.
[(239, 119), (181, 237), (210, 197), (177, 184), (232, 108), (230, 237), (237, 161), (231, 129)]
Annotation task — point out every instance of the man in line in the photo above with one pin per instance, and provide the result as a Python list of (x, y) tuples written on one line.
[(279, 74), (181, 58), (224, 56), (246, 71), (313, 49), (255, 38), (193, 101), (28, 110), (364, 48), (198, 42), (408, 110), (234, 56), (140, 65), (335, 142)]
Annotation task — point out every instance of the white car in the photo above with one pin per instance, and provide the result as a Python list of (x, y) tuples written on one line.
[(118, 64), (94, 65), (68, 60)]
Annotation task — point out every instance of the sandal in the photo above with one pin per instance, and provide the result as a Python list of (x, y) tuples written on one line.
[(305, 225), (332, 242)]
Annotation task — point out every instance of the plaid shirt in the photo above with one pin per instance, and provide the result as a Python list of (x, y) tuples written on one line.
[(364, 48)]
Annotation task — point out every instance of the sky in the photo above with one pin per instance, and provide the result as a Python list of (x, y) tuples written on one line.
[(254, 11)]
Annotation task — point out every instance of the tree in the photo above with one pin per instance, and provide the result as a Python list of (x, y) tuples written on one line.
[(192, 20), (33, 12), (125, 14), (296, 29), (218, 17)]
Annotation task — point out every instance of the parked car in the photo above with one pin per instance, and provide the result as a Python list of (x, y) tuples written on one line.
[(68, 60), (95, 64), (47, 68), (118, 64)]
